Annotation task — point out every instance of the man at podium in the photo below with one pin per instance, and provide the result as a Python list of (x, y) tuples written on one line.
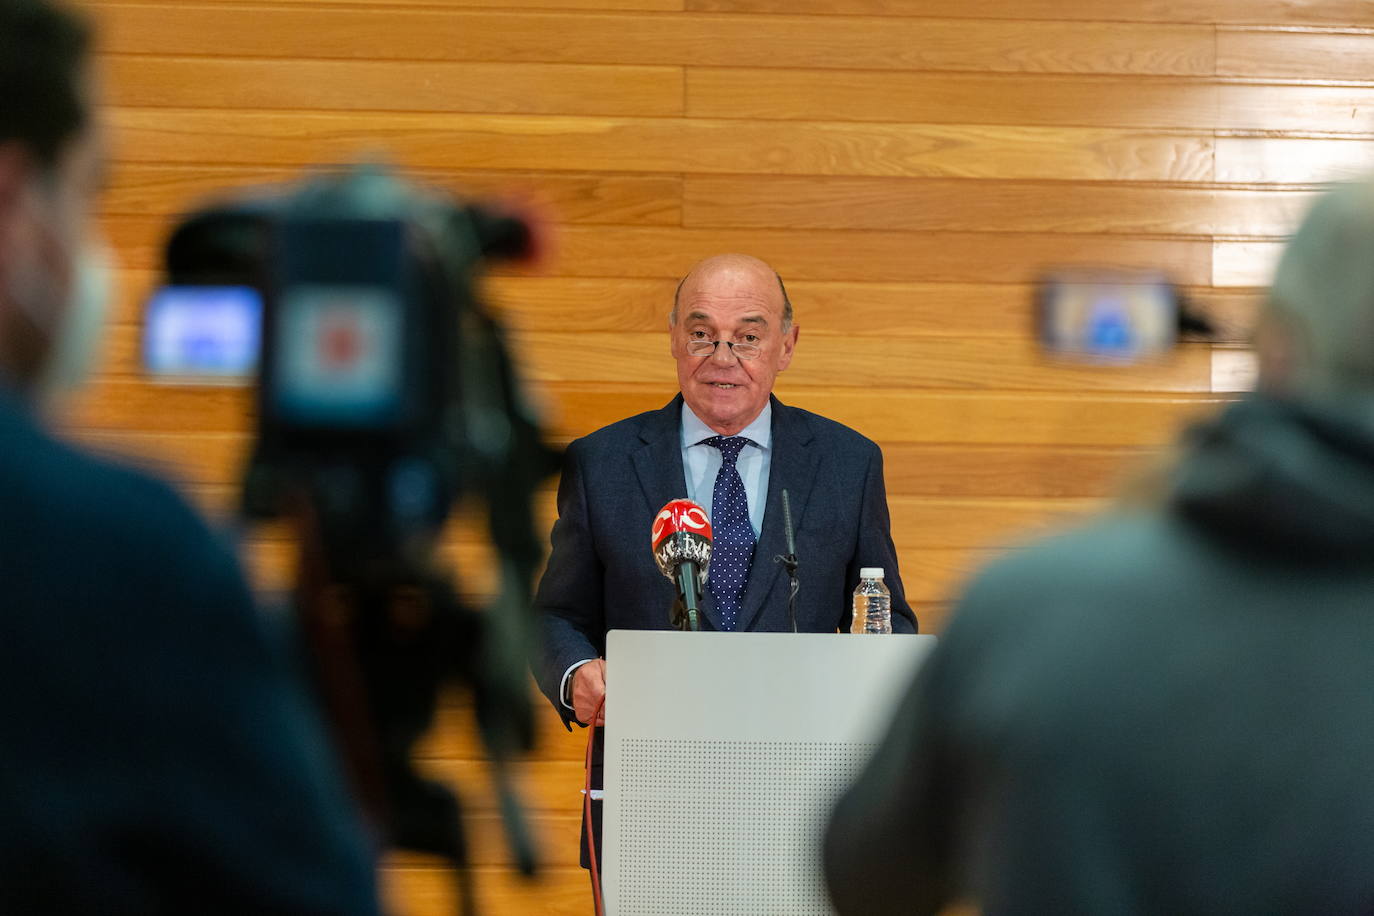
[(726, 443)]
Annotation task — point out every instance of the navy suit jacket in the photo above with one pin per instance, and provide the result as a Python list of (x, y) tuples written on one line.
[(601, 573), (158, 753)]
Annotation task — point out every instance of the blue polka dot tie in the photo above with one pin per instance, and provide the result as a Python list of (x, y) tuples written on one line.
[(733, 547)]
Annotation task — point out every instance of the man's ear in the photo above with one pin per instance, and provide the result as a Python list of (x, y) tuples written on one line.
[(672, 339), (789, 346)]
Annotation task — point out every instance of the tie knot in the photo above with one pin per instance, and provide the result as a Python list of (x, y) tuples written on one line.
[(729, 447)]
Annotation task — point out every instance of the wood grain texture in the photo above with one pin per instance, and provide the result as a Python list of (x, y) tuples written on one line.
[(910, 166), (1339, 13), (951, 257), (641, 305), (457, 5), (413, 889), (686, 40), (934, 579), (1292, 160), (875, 256), (893, 310), (202, 458), (645, 5), (932, 576), (936, 417), (700, 145), (1233, 312), (1245, 263), (870, 359), (927, 514), (117, 404), (934, 205), (919, 523), (1234, 370), (1001, 470), (923, 523), (431, 86), (1053, 471), (454, 737), (141, 189), (1305, 56), (628, 305), (1046, 101)]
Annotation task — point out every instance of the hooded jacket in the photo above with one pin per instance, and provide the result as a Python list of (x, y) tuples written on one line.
[(1168, 711)]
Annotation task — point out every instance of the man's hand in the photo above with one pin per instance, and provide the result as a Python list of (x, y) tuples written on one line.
[(588, 690)]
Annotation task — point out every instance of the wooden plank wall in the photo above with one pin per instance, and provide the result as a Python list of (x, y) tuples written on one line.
[(908, 165)]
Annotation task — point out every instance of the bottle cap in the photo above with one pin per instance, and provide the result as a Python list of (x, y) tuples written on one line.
[(871, 572)]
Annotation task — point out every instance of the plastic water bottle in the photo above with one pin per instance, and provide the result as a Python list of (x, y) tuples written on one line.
[(872, 603)]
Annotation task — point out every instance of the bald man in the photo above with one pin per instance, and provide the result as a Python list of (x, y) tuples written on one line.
[(725, 442)]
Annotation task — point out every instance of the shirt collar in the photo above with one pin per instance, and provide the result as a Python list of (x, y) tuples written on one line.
[(759, 431)]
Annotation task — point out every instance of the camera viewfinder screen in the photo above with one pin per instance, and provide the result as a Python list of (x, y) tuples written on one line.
[(338, 355), (208, 333), (1110, 321)]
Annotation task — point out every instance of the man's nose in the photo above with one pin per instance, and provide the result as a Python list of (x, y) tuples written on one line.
[(724, 353)]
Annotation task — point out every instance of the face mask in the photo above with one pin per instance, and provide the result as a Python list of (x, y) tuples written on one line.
[(69, 331), (76, 339)]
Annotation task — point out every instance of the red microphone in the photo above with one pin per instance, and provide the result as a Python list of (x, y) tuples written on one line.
[(681, 539)]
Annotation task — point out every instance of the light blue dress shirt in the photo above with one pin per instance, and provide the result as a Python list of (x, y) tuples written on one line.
[(701, 463)]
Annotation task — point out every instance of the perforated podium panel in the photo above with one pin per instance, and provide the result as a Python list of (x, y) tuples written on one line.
[(724, 753)]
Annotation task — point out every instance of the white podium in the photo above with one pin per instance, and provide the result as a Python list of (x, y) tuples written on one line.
[(724, 754)]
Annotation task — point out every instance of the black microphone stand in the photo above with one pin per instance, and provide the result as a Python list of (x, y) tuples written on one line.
[(685, 613), (789, 561)]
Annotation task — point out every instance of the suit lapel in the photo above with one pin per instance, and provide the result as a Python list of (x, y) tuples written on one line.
[(658, 465), (792, 468)]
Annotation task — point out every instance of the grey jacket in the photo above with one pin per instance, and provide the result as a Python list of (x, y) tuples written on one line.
[(1170, 711)]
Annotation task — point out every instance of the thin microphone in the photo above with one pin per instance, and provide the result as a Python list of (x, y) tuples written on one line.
[(681, 539), (789, 561), (787, 524)]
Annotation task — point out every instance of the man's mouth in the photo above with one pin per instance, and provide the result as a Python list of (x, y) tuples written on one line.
[(724, 385)]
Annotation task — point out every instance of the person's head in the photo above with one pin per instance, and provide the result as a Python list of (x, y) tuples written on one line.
[(739, 301), (51, 167), (1315, 336)]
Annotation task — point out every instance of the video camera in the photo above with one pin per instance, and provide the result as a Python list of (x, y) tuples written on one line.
[(1113, 316), (385, 392)]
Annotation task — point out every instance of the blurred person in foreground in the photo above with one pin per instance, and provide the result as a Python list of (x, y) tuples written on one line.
[(156, 753), (1170, 710)]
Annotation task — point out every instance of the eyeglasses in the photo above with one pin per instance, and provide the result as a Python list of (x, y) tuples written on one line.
[(703, 348)]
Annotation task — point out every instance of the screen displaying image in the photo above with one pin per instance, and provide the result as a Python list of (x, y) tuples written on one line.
[(338, 359), (1108, 319), (203, 332)]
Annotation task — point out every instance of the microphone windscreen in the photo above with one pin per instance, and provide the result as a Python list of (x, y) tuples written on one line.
[(680, 515), (681, 531)]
